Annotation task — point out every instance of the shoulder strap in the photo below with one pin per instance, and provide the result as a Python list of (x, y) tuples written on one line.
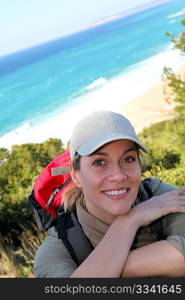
[(145, 192), (151, 187), (43, 219), (148, 188), (153, 184), (73, 236)]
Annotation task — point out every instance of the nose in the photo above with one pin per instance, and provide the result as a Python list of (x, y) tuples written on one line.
[(117, 174)]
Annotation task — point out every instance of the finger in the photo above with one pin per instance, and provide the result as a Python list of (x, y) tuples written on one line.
[(180, 208), (182, 190), (181, 201), (176, 197), (178, 190)]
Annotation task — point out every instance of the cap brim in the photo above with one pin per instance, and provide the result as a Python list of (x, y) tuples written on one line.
[(95, 144)]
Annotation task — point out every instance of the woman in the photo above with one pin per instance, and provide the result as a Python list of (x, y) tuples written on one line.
[(106, 171)]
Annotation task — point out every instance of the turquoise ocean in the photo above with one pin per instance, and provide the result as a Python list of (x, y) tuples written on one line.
[(45, 89)]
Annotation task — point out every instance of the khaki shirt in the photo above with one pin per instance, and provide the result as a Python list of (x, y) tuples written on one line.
[(53, 259)]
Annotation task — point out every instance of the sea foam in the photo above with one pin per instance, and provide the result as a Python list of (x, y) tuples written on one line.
[(106, 95)]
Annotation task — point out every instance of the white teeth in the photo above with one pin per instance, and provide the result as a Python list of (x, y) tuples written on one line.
[(115, 193)]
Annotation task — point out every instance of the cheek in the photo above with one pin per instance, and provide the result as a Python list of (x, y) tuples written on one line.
[(136, 179), (91, 186), (138, 174), (135, 172), (88, 182)]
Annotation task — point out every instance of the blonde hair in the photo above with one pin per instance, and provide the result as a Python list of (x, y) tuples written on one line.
[(73, 194)]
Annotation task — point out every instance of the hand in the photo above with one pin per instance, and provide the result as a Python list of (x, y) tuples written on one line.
[(158, 206)]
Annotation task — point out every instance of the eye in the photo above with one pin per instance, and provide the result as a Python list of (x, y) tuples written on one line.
[(99, 162), (129, 159)]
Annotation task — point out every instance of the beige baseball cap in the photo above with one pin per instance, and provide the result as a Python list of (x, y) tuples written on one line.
[(98, 129)]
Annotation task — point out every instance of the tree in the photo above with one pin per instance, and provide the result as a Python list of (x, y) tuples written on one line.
[(177, 82), (18, 170)]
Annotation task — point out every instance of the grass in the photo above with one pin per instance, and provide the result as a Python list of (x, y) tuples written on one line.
[(17, 261)]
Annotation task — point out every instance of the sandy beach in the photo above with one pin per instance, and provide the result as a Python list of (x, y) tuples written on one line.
[(152, 107)]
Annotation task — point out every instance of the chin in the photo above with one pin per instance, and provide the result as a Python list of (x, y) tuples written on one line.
[(120, 211)]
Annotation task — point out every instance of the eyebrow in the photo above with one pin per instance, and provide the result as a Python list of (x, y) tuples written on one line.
[(105, 154)]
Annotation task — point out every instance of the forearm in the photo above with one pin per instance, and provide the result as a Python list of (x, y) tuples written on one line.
[(156, 259), (109, 256)]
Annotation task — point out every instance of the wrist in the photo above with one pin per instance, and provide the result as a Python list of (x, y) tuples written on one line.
[(130, 219), (135, 218)]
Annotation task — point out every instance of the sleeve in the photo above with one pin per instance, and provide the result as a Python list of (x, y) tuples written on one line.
[(52, 259), (173, 225), (174, 230)]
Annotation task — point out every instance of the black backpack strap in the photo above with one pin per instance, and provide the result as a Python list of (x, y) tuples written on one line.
[(73, 236), (81, 244), (42, 217), (147, 191), (147, 188), (61, 229)]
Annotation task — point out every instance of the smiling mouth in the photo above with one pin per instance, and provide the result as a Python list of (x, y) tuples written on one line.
[(116, 192)]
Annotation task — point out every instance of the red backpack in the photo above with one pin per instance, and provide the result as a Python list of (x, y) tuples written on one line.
[(48, 189)]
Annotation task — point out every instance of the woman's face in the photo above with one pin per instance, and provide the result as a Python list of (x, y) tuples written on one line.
[(110, 179)]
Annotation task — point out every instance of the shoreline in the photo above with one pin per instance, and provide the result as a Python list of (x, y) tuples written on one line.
[(142, 105), (151, 107)]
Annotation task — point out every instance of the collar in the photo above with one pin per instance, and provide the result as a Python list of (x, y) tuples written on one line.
[(93, 227)]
